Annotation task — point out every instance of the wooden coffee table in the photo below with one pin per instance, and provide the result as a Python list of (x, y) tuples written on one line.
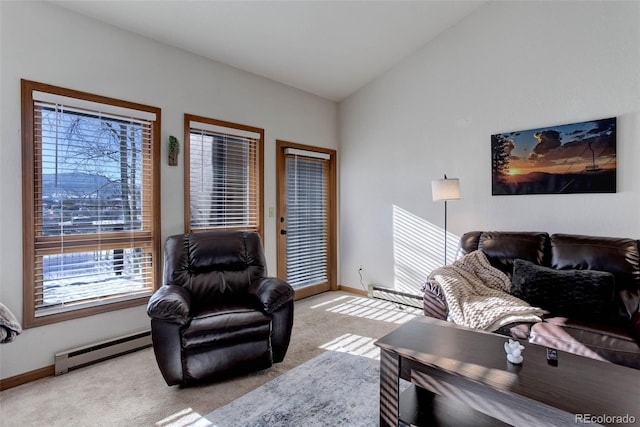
[(468, 368)]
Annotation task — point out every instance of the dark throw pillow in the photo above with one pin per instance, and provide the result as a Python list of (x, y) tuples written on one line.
[(578, 294)]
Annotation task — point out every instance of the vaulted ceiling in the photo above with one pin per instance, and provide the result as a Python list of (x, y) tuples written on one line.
[(328, 48)]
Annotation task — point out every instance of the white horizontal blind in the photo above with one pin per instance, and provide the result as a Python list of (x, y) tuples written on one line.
[(307, 153), (93, 206), (106, 110), (223, 178), (306, 220)]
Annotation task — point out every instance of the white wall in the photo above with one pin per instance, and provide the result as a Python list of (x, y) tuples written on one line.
[(508, 66), (45, 43)]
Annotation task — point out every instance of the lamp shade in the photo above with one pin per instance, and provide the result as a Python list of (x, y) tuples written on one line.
[(445, 189)]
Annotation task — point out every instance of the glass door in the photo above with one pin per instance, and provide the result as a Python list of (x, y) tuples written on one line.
[(306, 212)]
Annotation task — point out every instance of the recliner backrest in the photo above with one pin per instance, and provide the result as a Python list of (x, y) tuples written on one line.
[(216, 265)]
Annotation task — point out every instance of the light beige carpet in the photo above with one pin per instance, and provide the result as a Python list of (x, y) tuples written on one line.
[(333, 389), (129, 390)]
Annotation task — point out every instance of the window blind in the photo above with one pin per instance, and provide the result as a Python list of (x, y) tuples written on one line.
[(224, 177), (307, 221)]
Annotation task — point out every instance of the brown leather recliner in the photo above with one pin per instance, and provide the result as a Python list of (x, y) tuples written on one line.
[(217, 314)]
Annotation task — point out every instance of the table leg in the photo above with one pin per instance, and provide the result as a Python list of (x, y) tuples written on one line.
[(389, 388)]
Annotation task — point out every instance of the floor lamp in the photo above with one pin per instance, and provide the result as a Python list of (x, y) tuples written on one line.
[(445, 189)]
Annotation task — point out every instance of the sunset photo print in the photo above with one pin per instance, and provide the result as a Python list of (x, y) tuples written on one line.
[(571, 158)]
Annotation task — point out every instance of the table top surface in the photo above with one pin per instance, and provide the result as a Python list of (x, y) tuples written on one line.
[(577, 384)]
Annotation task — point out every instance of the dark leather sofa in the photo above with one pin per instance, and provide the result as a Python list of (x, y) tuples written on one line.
[(217, 314), (590, 286)]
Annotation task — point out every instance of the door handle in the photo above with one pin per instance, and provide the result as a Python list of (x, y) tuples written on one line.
[(283, 231)]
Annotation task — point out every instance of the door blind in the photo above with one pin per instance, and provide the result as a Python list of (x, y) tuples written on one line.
[(306, 220)]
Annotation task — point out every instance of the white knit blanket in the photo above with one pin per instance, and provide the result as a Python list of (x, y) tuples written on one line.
[(9, 325), (476, 294)]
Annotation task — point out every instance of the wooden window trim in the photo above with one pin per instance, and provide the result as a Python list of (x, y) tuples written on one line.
[(30, 216), (257, 178)]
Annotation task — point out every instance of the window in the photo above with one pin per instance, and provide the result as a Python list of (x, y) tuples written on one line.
[(91, 199), (223, 175)]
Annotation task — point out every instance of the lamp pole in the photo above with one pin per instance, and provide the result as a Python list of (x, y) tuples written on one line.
[(445, 229), (445, 189)]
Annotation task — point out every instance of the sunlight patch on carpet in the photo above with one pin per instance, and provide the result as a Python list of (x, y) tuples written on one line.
[(369, 308), (354, 344), (183, 418)]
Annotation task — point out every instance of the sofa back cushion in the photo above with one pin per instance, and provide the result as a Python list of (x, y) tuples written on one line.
[(503, 247), (578, 294), (616, 255)]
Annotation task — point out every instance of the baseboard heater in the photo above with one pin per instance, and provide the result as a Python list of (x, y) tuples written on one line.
[(393, 295), (94, 353)]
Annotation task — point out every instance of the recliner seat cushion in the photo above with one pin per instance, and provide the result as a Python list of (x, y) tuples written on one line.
[(224, 325)]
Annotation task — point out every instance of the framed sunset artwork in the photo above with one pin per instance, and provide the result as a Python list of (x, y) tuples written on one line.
[(571, 158)]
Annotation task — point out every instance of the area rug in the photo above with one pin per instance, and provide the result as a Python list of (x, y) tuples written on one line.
[(332, 389)]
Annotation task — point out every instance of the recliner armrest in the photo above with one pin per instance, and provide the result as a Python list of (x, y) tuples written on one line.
[(170, 303), (271, 292)]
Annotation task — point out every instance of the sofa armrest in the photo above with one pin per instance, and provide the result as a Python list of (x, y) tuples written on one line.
[(434, 302), (631, 300), (170, 303), (635, 323), (271, 292)]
